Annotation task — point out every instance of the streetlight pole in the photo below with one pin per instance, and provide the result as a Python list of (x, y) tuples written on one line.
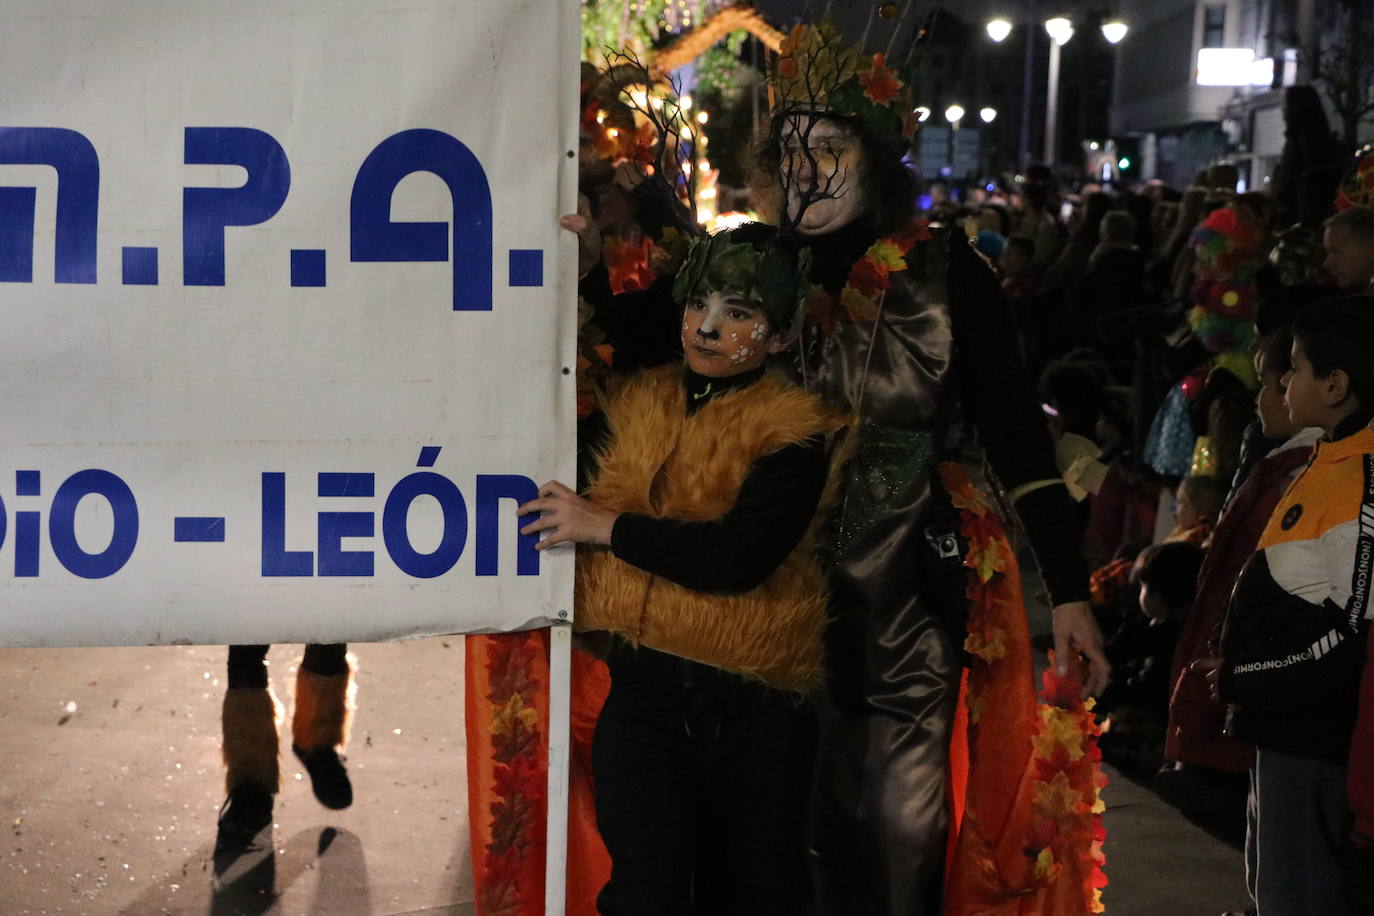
[(953, 114), (988, 115), (998, 30), (1027, 77), (1060, 31), (1052, 108)]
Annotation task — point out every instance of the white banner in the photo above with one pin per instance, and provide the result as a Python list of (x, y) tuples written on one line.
[(287, 317)]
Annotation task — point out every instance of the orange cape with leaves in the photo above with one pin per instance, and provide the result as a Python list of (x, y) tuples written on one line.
[(1025, 777)]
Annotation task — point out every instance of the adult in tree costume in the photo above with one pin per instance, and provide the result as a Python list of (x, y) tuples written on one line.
[(909, 331)]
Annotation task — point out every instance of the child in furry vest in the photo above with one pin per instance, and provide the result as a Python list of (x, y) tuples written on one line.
[(698, 534)]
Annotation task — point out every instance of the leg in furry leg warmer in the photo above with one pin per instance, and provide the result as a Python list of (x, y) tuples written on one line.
[(252, 774), (319, 725)]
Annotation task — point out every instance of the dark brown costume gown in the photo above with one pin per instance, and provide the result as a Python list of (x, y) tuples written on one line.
[(940, 365)]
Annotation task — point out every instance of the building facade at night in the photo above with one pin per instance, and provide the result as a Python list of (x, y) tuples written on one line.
[(1200, 81)]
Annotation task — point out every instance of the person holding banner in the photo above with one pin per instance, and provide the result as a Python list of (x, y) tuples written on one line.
[(699, 533)]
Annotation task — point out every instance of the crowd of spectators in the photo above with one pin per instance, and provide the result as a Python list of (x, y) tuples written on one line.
[(1158, 320)]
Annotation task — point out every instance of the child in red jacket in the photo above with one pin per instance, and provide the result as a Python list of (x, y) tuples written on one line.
[(1205, 764)]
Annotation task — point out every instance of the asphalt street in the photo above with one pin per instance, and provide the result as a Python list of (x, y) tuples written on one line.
[(110, 782)]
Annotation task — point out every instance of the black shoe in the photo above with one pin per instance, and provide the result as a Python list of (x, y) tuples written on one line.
[(244, 814), (328, 777)]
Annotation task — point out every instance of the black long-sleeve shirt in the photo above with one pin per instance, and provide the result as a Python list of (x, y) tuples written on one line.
[(742, 549), (996, 399)]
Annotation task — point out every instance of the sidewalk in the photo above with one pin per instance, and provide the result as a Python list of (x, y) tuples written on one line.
[(1160, 864), (110, 782)]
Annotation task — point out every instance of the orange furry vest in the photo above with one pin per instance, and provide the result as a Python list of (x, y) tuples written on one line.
[(661, 462)]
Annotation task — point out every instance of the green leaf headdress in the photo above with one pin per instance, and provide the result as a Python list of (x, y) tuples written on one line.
[(750, 261)]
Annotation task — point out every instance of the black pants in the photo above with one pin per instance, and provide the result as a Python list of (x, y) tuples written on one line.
[(248, 664), (702, 782)]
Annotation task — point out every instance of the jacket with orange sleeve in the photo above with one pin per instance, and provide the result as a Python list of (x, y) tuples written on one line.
[(1295, 632)]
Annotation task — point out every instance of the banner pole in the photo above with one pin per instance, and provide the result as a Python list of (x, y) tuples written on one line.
[(560, 634), (560, 714)]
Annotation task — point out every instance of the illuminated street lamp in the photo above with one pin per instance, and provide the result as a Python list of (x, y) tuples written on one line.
[(998, 30), (987, 114), (1114, 31), (1059, 29), (922, 114), (954, 114)]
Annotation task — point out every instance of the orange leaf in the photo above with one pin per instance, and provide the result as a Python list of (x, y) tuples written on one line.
[(880, 84)]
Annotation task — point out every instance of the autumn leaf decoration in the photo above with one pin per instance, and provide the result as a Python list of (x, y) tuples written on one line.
[(1068, 787), (817, 58), (880, 82), (519, 776), (987, 557), (627, 262), (868, 279)]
